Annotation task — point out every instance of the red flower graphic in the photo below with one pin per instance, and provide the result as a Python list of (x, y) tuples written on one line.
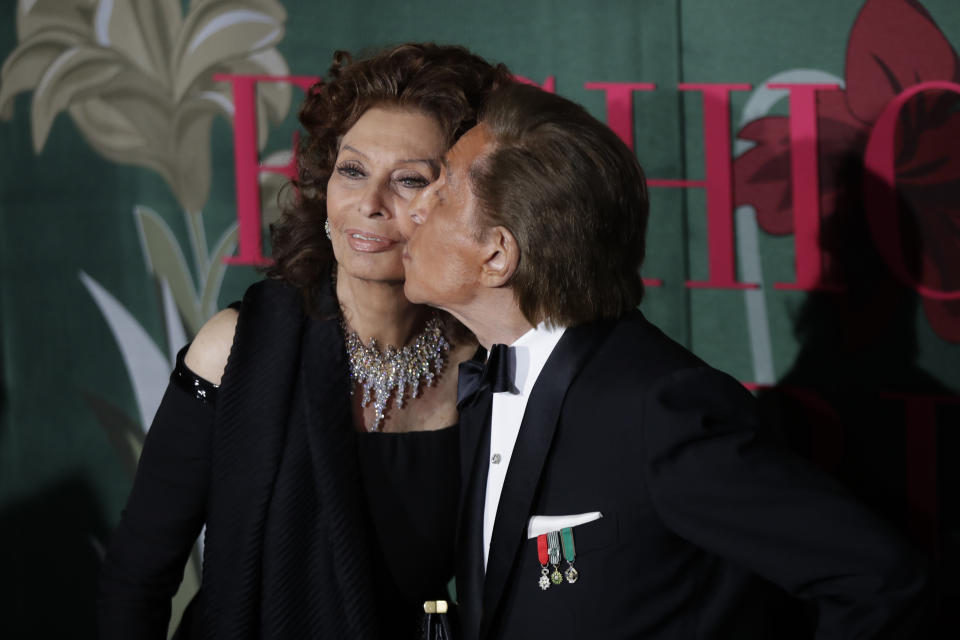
[(893, 45)]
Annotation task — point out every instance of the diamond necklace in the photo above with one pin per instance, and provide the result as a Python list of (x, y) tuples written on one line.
[(396, 371)]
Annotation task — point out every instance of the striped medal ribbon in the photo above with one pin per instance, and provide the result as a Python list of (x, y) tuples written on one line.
[(553, 542)]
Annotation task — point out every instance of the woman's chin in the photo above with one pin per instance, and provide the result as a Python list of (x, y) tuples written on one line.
[(372, 276), (374, 268)]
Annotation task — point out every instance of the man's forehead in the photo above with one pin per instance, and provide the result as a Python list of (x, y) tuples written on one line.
[(467, 149)]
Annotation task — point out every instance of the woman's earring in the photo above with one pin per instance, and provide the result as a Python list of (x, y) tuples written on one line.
[(326, 228)]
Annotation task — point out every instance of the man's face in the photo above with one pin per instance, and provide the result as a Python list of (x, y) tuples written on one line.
[(444, 256)]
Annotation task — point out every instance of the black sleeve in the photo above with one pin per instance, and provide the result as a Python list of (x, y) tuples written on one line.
[(165, 512), (719, 483)]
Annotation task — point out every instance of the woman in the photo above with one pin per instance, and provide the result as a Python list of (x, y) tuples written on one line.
[(316, 526)]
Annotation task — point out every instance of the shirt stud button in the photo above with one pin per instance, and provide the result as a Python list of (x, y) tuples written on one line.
[(495, 459)]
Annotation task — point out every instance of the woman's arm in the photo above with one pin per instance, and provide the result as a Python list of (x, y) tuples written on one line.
[(166, 509)]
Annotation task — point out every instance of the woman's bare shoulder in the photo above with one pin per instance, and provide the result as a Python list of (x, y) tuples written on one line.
[(207, 355)]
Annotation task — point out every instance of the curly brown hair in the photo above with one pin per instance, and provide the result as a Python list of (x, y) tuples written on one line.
[(446, 82)]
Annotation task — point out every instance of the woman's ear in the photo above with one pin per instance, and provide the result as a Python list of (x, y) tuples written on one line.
[(502, 257)]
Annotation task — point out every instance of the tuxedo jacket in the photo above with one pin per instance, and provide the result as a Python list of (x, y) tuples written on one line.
[(701, 511)]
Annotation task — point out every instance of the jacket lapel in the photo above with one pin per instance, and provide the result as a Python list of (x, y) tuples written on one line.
[(474, 417), (529, 455), (473, 421), (475, 448)]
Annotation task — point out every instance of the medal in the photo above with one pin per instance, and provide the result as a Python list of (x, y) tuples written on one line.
[(553, 542), (543, 557), (569, 553)]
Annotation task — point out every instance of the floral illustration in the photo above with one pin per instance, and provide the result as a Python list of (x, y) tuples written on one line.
[(881, 62), (136, 77)]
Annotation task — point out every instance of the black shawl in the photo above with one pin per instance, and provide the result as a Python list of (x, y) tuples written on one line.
[(287, 543)]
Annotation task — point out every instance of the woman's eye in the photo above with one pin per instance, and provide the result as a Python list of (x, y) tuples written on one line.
[(412, 181), (350, 170)]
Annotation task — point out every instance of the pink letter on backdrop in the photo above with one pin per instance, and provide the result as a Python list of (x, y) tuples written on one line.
[(247, 165), (805, 184), (882, 209), (620, 105), (620, 119), (920, 420), (549, 85), (718, 183)]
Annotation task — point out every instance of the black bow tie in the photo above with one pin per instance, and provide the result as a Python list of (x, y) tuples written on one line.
[(495, 375)]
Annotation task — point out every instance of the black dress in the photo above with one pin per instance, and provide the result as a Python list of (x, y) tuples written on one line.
[(411, 482), (313, 530)]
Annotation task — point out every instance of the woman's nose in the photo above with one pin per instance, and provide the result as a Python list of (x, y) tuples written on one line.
[(373, 203)]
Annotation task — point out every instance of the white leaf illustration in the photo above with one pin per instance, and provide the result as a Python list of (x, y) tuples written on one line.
[(211, 38), (147, 367), (176, 336)]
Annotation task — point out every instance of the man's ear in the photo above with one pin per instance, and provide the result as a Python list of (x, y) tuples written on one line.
[(501, 259)]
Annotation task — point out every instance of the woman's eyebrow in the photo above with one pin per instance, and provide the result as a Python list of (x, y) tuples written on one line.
[(354, 149), (428, 161)]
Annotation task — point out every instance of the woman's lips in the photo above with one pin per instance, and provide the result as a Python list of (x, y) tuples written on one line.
[(367, 242)]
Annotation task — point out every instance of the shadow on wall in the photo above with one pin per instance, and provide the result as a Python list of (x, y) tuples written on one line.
[(3, 385), (51, 561), (855, 400)]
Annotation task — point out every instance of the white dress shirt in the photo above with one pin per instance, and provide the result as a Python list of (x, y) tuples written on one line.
[(531, 351)]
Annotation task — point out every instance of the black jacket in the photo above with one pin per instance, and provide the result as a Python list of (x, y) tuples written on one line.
[(697, 507)]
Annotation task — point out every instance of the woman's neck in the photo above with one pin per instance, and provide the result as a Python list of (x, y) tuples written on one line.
[(380, 311)]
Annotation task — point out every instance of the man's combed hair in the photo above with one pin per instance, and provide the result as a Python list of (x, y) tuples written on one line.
[(574, 197), (446, 82)]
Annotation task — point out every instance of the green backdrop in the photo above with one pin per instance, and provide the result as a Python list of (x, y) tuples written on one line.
[(117, 181)]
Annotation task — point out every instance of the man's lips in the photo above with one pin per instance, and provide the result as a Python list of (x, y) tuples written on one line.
[(366, 242)]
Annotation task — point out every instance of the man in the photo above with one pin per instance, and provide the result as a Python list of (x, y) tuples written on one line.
[(614, 485)]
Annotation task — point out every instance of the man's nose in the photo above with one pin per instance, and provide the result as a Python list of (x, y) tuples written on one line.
[(419, 208)]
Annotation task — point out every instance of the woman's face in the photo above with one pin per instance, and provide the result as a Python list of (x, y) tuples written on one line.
[(384, 160)]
